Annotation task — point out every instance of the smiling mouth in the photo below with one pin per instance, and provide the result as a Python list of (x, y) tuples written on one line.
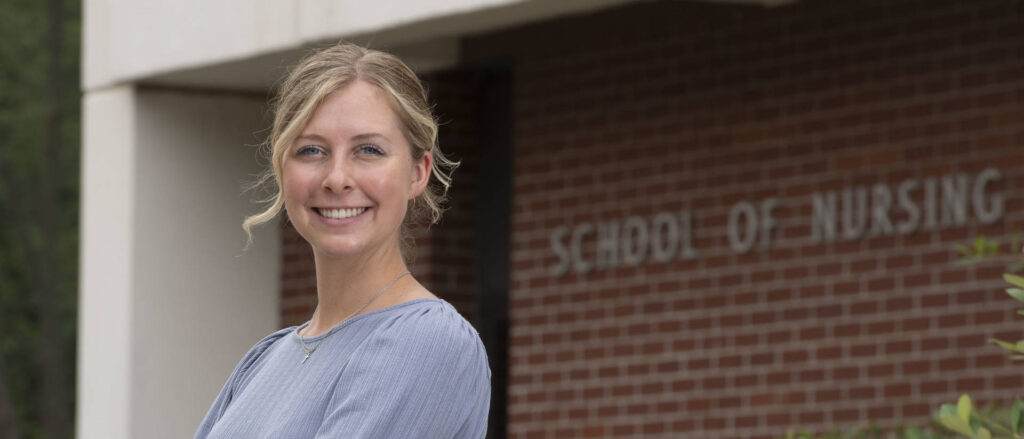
[(340, 213)]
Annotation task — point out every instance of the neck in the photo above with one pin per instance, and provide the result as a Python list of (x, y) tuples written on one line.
[(344, 285)]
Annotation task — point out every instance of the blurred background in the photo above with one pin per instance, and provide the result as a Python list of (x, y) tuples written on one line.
[(674, 218), (40, 122)]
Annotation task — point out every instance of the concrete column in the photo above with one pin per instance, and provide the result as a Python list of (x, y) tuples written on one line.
[(106, 264), (170, 299)]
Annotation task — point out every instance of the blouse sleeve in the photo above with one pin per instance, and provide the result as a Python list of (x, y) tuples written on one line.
[(236, 382), (426, 376)]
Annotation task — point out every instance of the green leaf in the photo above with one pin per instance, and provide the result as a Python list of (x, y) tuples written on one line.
[(979, 245), (1005, 345), (983, 433), (963, 407), (946, 409), (1015, 413), (969, 260), (964, 250), (953, 422), (1014, 279), (1015, 267), (915, 433), (1016, 293)]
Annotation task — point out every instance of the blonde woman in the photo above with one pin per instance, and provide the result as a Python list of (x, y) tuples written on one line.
[(353, 147)]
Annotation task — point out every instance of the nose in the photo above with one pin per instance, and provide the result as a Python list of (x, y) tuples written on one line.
[(338, 178)]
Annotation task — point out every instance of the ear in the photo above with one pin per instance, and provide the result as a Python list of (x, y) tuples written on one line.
[(421, 170)]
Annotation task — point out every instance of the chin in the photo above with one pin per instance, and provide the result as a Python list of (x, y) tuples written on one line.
[(340, 249), (335, 251)]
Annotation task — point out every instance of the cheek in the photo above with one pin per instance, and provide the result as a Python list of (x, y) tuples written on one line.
[(292, 188)]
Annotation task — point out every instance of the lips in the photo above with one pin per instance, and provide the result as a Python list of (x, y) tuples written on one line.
[(340, 213)]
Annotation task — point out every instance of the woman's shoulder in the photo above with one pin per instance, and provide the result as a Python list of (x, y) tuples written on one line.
[(424, 337), (430, 318), (255, 353), (426, 326)]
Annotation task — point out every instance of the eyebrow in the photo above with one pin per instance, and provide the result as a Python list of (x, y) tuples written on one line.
[(313, 137), (357, 137), (366, 136)]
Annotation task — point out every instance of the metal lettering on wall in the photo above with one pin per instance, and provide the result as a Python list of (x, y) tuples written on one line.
[(849, 214)]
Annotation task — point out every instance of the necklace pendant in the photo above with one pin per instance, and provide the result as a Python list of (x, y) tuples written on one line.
[(306, 357)]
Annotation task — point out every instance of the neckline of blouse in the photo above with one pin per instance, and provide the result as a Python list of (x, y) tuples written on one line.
[(296, 329)]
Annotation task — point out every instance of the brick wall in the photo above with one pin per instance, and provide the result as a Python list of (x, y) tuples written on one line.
[(298, 277), (670, 106)]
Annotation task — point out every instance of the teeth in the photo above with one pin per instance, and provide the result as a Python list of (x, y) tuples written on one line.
[(342, 213)]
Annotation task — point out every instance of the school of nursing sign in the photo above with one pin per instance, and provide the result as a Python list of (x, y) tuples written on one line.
[(847, 215)]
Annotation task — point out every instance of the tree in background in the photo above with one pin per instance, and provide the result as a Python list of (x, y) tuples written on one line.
[(39, 169)]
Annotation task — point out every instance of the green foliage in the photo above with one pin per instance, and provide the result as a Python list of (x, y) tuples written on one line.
[(990, 423), (983, 249), (39, 162), (1015, 292), (960, 420)]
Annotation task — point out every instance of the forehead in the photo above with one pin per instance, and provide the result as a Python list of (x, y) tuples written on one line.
[(352, 110)]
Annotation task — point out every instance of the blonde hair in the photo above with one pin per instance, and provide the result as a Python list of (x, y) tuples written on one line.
[(330, 69)]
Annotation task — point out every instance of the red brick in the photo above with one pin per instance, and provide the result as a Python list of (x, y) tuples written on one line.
[(864, 392), (864, 308), (898, 347), (730, 402), (829, 352), (1009, 381), (828, 395), (880, 370), (885, 412), (698, 404), (952, 321), (795, 356), (899, 304), (811, 375), (881, 328), (863, 350), (952, 364), (918, 367), (916, 324), (969, 384), (990, 360), (896, 390), (812, 333), (845, 415), (776, 378)]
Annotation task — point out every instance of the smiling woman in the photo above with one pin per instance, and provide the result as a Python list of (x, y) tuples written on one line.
[(349, 176), (353, 150)]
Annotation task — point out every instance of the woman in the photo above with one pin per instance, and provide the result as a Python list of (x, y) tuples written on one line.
[(353, 147)]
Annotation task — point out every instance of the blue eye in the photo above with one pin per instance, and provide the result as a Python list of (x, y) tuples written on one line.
[(370, 149), (308, 150)]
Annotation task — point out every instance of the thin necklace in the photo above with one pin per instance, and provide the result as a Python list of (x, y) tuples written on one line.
[(309, 350)]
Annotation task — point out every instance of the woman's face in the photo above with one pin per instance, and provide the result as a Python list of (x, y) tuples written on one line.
[(348, 177)]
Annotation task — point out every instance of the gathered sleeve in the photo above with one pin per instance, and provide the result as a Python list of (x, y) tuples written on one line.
[(424, 376)]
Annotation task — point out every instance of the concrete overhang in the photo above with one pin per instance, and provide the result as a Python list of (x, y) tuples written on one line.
[(426, 38)]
